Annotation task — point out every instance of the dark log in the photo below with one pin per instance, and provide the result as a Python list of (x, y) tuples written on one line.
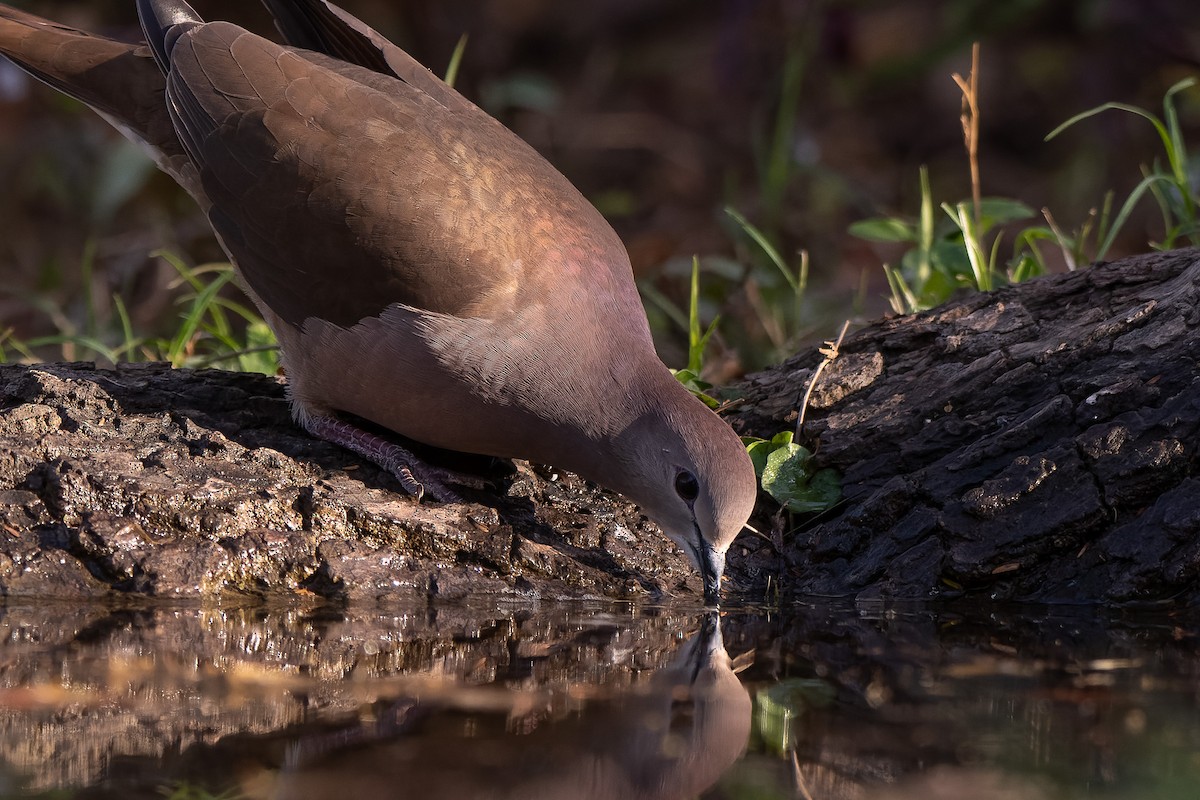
[(1036, 443)]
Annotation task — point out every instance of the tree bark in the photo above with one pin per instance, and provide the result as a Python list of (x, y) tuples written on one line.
[(1037, 443), (182, 483)]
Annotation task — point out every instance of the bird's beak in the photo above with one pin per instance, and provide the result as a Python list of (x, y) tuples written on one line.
[(712, 567)]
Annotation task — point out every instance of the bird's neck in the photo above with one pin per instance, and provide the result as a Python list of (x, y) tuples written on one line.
[(607, 450)]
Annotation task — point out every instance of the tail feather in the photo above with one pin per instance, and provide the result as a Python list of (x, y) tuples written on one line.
[(162, 22), (126, 83), (118, 80)]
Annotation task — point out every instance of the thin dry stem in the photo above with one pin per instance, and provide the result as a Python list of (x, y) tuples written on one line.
[(970, 125), (766, 319), (830, 351), (798, 774), (1062, 239)]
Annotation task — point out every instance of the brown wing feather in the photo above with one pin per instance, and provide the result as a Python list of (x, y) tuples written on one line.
[(323, 27), (340, 191)]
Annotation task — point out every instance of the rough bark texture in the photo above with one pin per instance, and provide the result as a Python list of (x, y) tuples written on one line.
[(1038, 442), (180, 483)]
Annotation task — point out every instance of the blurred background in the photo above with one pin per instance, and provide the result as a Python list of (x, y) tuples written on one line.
[(804, 116)]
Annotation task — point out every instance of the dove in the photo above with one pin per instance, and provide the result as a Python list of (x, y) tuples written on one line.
[(423, 269)]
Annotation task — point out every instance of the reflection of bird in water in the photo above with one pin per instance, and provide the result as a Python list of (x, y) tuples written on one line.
[(672, 738)]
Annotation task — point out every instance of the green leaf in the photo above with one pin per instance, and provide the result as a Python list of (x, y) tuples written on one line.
[(885, 229), (696, 386), (785, 470), (949, 257), (786, 478), (824, 491), (758, 450), (999, 210), (690, 379), (782, 438)]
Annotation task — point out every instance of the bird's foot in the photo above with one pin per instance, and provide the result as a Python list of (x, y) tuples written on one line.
[(418, 478)]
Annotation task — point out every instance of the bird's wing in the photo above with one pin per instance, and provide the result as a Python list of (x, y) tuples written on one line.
[(323, 27), (340, 191)]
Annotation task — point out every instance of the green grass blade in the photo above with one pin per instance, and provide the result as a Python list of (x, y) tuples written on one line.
[(1102, 225), (664, 304), (962, 215), (761, 240), (695, 351), (903, 300), (221, 337), (1177, 149), (925, 229), (193, 319), (1026, 246), (87, 263), (247, 313), (1123, 214), (128, 343), (1170, 229), (8, 336), (232, 355), (87, 343), (186, 273), (455, 61), (801, 288), (1141, 112), (779, 158), (991, 263)]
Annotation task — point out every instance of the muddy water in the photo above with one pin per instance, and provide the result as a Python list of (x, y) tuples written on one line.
[(820, 701)]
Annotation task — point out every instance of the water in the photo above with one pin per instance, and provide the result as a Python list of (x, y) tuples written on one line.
[(821, 701)]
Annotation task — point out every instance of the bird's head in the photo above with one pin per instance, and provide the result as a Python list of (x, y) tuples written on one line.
[(690, 473)]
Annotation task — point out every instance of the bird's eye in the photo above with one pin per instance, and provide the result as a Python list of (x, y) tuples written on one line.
[(686, 486)]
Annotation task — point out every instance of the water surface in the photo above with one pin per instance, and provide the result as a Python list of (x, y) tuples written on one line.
[(575, 701)]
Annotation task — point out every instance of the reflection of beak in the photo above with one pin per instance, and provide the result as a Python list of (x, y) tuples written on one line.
[(710, 634), (701, 651)]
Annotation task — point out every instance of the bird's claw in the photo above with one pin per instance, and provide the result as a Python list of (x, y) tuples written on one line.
[(427, 483), (416, 477)]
